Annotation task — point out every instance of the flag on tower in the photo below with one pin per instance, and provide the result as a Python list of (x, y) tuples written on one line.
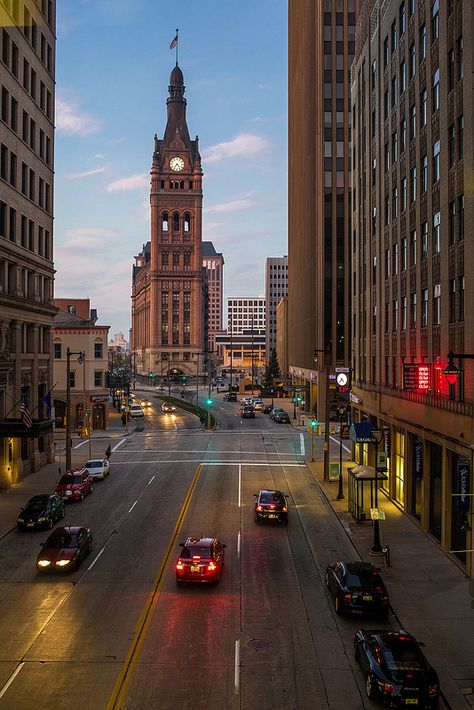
[(48, 400), (25, 413), (174, 42)]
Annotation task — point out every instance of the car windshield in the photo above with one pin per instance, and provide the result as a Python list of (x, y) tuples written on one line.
[(196, 551), (62, 540), (69, 480), (403, 655), (270, 497), (277, 410), (366, 579), (37, 505), (93, 464)]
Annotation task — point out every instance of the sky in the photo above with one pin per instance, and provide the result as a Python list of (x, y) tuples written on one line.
[(112, 70)]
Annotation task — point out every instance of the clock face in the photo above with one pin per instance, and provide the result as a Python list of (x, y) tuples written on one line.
[(176, 164), (342, 379)]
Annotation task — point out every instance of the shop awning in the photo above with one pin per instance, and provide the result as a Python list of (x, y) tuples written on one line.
[(14, 428), (361, 432)]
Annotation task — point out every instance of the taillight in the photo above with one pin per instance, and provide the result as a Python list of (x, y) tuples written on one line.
[(348, 598), (272, 507), (211, 567), (179, 565), (259, 508), (386, 687)]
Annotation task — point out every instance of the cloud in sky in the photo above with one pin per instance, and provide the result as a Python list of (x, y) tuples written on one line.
[(87, 237), (231, 206), (86, 173), (134, 182), (72, 120), (244, 145)]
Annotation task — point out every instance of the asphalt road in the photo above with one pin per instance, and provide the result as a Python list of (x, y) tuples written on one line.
[(119, 633)]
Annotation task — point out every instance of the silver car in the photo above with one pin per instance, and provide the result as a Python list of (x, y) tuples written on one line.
[(98, 468)]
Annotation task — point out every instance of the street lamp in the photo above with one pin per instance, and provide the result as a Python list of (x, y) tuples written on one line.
[(80, 359), (342, 413), (376, 436)]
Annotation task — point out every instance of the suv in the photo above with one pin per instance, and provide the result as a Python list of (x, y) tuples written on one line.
[(230, 397), (271, 505), (200, 560)]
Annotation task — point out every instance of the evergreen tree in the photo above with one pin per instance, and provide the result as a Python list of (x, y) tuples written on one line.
[(274, 367)]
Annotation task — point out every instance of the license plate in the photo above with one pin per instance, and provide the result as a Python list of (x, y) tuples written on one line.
[(272, 515), (194, 568), (411, 701), (367, 597)]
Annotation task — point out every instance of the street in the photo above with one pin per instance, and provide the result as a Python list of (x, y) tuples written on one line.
[(120, 633)]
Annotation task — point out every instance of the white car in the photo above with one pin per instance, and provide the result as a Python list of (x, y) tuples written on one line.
[(136, 411), (258, 404), (98, 468)]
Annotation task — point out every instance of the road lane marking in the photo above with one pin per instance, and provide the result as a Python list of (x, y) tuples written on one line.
[(343, 446), (240, 486), (217, 463), (202, 451), (143, 625), (237, 667), (81, 444), (151, 480), (11, 679), (95, 559), (119, 444), (302, 444), (133, 505), (238, 544)]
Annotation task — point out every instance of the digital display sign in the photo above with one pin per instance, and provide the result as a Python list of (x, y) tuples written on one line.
[(416, 377)]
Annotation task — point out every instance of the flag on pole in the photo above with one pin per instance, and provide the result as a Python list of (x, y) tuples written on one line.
[(48, 401), (25, 414), (174, 42)]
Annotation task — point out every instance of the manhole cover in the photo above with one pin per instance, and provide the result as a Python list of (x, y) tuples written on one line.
[(260, 644)]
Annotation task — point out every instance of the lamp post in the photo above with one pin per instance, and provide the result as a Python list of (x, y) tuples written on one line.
[(342, 412), (376, 436), (326, 353), (197, 383), (81, 357)]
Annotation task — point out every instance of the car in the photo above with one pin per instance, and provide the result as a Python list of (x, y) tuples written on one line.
[(168, 407), (258, 405), (230, 397), (396, 671), (267, 409), (357, 588), (145, 403), (245, 400), (200, 560), (98, 468), (136, 411), (247, 412), (41, 511), (271, 505), (74, 485), (64, 549), (280, 416)]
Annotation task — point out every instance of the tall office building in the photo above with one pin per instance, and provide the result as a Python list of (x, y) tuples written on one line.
[(168, 289), (213, 263), (245, 313), (321, 49), (27, 81), (413, 275), (276, 288)]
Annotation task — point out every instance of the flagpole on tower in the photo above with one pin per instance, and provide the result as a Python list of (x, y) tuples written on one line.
[(177, 45)]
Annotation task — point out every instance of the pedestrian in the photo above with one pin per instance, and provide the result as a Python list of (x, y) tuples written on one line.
[(124, 419), (108, 452), (202, 420)]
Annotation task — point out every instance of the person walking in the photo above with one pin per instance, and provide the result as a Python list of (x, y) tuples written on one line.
[(202, 419), (124, 419), (108, 452)]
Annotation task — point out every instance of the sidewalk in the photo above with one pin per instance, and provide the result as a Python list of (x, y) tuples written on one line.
[(429, 593)]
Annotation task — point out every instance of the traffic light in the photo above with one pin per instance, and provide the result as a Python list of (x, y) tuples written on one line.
[(209, 401), (313, 423), (151, 374)]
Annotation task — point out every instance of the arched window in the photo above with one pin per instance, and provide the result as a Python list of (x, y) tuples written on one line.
[(187, 222), (175, 222), (164, 222)]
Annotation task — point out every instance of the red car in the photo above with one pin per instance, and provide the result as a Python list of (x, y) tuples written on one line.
[(74, 485), (64, 549), (201, 560)]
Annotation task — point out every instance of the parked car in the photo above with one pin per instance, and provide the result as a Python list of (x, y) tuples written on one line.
[(357, 587), (136, 411), (279, 415), (74, 485), (64, 549), (271, 505), (98, 468), (395, 669), (41, 511), (167, 407), (230, 397), (247, 412), (200, 560)]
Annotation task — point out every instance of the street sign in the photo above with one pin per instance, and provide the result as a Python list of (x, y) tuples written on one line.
[(377, 514), (342, 369), (334, 471), (381, 461)]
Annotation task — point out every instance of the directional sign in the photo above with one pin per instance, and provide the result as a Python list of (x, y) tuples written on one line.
[(377, 514)]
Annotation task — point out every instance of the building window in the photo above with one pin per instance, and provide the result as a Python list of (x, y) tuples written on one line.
[(394, 147), (385, 52), (387, 210), (175, 222), (461, 137), (403, 134), (424, 174), (395, 203), (395, 315), (393, 35), (412, 61), (452, 222), (395, 259), (403, 254), (98, 350), (451, 146), (403, 17), (424, 307), (404, 313), (164, 222), (187, 222), (374, 75), (436, 149), (435, 21), (72, 378), (461, 217), (387, 263), (437, 304), (387, 317), (412, 122), (461, 298), (98, 379), (57, 351), (435, 92), (452, 300), (422, 42), (403, 195), (424, 240), (451, 69), (436, 233), (394, 92), (387, 157), (403, 77), (413, 184), (423, 108), (413, 247), (413, 310), (460, 58)]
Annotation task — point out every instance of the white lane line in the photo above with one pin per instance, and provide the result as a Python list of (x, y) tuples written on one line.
[(133, 506), (337, 442), (175, 426), (202, 451), (238, 544), (302, 444), (151, 480), (95, 559), (81, 444), (237, 667), (240, 486), (11, 679), (218, 463), (119, 444)]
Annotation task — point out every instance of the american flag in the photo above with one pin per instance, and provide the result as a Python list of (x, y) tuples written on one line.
[(174, 42), (25, 414)]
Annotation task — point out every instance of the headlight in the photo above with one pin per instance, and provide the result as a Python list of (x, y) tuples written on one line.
[(20, 520), (41, 520), (69, 493), (62, 563), (44, 563)]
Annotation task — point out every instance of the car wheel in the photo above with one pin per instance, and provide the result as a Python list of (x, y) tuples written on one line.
[(369, 687), (337, 604)]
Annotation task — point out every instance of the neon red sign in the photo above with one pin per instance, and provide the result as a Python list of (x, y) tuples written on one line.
[(416, 377)]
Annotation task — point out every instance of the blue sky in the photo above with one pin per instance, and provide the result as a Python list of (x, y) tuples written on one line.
[(113, 67)]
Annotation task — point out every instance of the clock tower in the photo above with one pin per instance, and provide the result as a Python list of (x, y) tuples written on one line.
[(168, 290)]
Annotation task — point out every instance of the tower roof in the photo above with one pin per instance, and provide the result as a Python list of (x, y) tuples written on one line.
[(176, 77)]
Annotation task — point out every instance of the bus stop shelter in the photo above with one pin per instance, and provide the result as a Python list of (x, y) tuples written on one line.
[(361, 490)]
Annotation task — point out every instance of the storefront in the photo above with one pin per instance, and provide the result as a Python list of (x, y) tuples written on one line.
[(399, 467)]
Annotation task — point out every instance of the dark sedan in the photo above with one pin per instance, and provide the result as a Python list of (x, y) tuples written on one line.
[(230, 397), (200, 560), (357, 587), (280, 416), (64, 549), (247, 412), (271, 505), (395, 669), (41, 512)]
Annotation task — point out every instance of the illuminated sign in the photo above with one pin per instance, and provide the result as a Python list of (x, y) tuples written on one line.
[(416, 377)]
